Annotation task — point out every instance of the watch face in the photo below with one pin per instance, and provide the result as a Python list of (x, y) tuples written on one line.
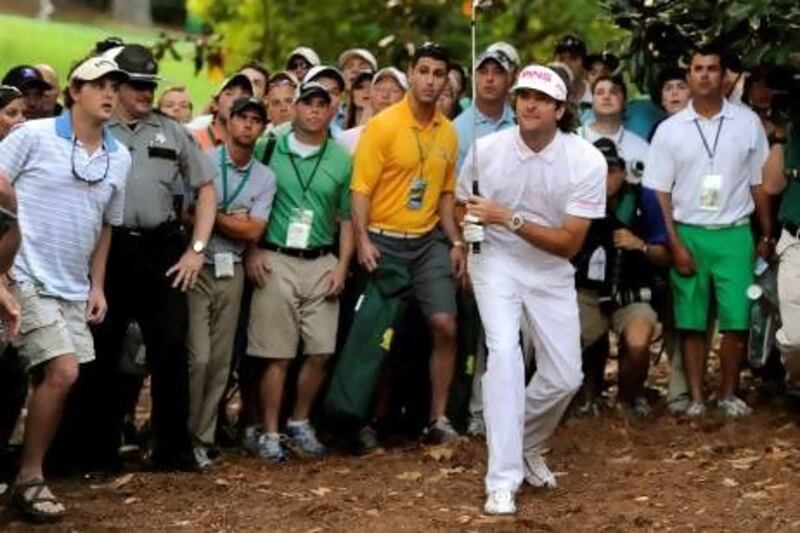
[(198, 246)]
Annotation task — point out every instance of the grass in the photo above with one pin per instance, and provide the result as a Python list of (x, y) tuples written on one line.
[(30, 41)]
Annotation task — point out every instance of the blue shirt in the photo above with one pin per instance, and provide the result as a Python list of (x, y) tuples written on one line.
[(483, 126), (655, 228)]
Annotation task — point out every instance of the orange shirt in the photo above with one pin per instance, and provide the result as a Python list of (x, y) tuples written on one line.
[(209, 137), (395, 155)]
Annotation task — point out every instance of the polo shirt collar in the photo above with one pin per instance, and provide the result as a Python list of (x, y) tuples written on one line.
[(506, 118), (548, 154), (408, 117), (688, 113), (230, 162), (63, 126)]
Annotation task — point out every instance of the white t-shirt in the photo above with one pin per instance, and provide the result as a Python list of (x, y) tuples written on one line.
[(632, 148), (568, 177), (705, 190), (348, 139), (200, 122)]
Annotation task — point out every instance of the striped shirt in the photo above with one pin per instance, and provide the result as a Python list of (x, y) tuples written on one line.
[(60, 213)]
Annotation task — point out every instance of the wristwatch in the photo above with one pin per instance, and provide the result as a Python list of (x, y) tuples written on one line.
[(515, 222), (198, 246)]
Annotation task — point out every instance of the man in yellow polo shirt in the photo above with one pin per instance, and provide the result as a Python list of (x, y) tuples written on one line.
[(403, 207)]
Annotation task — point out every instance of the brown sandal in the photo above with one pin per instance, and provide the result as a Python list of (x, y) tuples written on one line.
[(26, 506)]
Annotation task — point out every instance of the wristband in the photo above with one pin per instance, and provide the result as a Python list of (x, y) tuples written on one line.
[(458, 244)]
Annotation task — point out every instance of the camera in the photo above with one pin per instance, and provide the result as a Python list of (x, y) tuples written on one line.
[(619, 299)]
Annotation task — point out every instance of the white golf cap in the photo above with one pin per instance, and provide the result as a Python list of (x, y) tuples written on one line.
[(393, 73), (321, 70), (95, 68), (362, 53), (507, 49), (306, 53), (542, 79)]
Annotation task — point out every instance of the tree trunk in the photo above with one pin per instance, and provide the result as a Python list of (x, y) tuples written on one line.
[(132, 12)]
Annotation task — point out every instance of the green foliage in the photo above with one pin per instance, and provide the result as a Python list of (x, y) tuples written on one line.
[(663, 31), (269, 30)]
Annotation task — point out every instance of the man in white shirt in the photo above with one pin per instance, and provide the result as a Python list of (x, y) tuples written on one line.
[(69, 175), (540, 187), (706, 163), (608, 102)]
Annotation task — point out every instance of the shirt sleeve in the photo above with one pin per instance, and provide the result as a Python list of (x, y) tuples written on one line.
[(263, 203), (16, 150), (759, 153), (587, 196), (369, 159), (196, 167), (655, 228), (115, 208), (659, 168)]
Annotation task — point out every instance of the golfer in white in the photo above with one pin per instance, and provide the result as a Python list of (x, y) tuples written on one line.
[(540, 186)]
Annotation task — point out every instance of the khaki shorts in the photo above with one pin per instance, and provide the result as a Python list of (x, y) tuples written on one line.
[(52, 327), (292, 306), (595, 323)]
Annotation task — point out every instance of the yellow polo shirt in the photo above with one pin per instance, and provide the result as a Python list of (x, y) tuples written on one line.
[(393, 154)]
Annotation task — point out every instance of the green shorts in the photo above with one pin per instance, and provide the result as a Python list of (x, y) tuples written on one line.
[(723, 260)]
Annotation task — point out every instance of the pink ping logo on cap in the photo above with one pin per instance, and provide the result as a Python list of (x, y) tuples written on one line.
[(539, 78), (535, 73)]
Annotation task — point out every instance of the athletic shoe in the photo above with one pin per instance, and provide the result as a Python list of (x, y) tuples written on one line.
[(500, 502), (696, 409), (303, 439), (367, 440), (733, 407), (201, 457), (537, 474), (271, 448), (590, 408), (476, 427), (250, 439), (440, 431), (639, 409)]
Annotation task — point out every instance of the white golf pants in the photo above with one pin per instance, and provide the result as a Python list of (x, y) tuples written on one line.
[(520, 420)]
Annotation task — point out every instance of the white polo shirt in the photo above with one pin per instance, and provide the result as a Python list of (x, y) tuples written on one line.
[(632, 148), (680, 162), (61, 215), (567, 177)]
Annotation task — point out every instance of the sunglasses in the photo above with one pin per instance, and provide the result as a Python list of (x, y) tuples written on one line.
[(88, 181), (299, 63)]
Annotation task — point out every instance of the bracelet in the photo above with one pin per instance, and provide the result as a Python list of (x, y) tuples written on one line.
[(644, 248), (458, 244), (770, 240)]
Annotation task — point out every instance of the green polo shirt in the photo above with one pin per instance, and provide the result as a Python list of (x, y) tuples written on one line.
[(325, 192), (790, 204)]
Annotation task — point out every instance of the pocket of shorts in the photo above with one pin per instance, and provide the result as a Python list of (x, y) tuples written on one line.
[(37, 312)]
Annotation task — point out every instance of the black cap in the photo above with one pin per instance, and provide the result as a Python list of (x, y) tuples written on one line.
[(363, 76), (312, 88), (570, 43), (25, 77), (138, 63), (237, 80), (247, 102), (609, 151)]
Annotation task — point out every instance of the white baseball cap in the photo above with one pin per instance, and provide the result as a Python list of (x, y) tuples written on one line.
[(362, 53), (542, 79), (394, 73), (507, 49), (95, 68), (306, 53), (319, 70)]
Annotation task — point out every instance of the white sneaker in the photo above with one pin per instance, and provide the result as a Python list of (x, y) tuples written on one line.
[(201, 457), (696, 409), (500, 502), (733, 407), (537, 474), (476, 427)]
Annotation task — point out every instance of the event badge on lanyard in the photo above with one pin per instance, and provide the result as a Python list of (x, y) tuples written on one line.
[(418, 185), (711, 184), (298, 234), (223, 261)]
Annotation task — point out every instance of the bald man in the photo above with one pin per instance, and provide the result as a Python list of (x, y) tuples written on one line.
[(50, 97)]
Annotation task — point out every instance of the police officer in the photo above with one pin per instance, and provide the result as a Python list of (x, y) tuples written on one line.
[(153, 261)]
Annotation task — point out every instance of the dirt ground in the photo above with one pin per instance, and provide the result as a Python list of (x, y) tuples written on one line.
[(614, 474)]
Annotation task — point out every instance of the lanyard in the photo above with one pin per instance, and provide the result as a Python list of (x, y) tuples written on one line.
[(424, 155), (307, 185), (711, 153), (223, 163)]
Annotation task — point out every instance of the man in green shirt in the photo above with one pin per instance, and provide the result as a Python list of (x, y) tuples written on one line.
[(782, 175), (297, 276)]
